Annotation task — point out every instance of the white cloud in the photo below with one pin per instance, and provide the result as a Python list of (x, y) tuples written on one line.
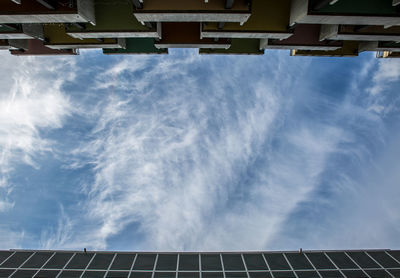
[(172, 158), (31, 101), (217, 160), (387, 73), (356, 205), (58, 237), (10, 239)]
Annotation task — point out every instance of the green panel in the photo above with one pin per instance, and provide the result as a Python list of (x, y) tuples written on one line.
[(359, 7), (5, 29), (113, 15), (389, 44), (266, 15), (137, 46), (238, 46)]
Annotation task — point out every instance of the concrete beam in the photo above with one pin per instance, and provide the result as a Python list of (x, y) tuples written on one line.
[(50, 4), (328, 31), (20, 44), (138, 4), (34, 30), (396, 2)]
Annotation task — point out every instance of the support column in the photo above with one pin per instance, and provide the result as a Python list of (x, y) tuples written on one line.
[(137, 4), (229, 4)]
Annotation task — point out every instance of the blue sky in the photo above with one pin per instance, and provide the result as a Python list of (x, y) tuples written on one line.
[(190, 152)]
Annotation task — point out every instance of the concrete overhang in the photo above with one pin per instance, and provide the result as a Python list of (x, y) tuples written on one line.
[(305, 36), (269, 19), (4, 44), (58, 39), (379, 46), (349, 49), (18, 44), (192, 11), (360, 33), (33, 12), (354, 12), (117, 33), (114, 19), (22, 31), (36, 47), (137, 46), (244, 35), (387, 54), (187, 35)]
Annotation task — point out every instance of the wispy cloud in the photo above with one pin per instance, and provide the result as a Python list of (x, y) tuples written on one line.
[(31, 102), (58, 237), (211, 162), (355, 203), (189, 152)]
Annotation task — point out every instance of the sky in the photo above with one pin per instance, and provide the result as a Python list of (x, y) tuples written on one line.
[(188, 152)]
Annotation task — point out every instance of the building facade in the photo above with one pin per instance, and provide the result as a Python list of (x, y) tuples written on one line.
[(296, 264), (340, 28)]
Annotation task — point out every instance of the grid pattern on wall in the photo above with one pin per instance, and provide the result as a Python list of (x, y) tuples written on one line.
[(297, 264)]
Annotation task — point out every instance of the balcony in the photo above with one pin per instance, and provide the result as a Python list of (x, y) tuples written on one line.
[(138, 46), (36, 11), (387, 54), (269, 19), (36, 47), (193, 11), (352, 12), (21, 31), (187, 35), (305, 37), (114, 19), (4, 44), (380, 46), (360, 33), (57, 38), (238, 47)]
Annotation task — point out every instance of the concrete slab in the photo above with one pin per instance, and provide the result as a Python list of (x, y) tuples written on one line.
[(192, 11), (269, 19), (349, 49), (57, 38)]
